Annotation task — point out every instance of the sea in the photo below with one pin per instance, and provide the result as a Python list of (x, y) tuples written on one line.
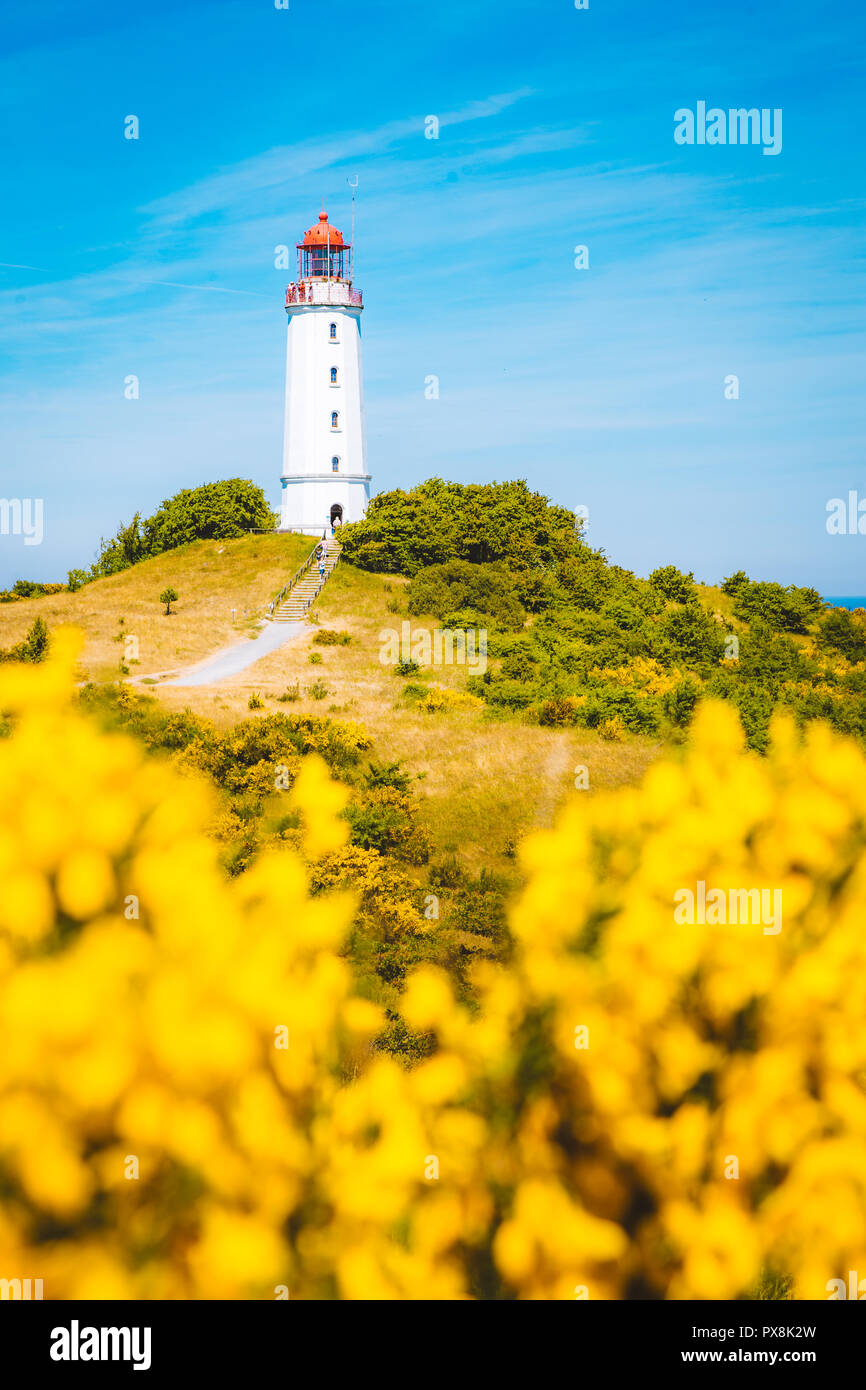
[(859, 601)]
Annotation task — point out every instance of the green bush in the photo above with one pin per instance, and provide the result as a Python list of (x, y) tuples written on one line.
[(679, 703), (841, 631), (459, 593), (673, 585), (509, 694), (214, 511), (558, 712), (404, 532), (387, 775), (688, 633), (34, 647), (785, 609)]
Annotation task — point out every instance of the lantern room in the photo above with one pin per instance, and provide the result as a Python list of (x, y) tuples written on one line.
[(323, 254)]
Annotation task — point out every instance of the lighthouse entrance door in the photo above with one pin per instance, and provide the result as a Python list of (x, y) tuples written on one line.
[(336, 515)]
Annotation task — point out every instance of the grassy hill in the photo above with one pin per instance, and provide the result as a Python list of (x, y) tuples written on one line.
[(484, 783), (212, 578), (590, 672)]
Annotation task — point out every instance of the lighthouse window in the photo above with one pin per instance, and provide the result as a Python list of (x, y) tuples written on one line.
[(335, 419), (334, 377), (333, 333), (335, 465)]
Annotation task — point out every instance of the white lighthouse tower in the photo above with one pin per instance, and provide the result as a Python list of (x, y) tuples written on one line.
[(325, 479)]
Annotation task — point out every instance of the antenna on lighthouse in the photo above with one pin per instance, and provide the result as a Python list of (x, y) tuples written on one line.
[(353, 184)]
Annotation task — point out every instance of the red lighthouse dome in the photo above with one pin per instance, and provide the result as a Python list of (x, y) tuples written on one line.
[(323, 254), (323, 234)]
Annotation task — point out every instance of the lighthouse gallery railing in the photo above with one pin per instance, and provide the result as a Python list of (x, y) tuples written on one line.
[(333, 292)]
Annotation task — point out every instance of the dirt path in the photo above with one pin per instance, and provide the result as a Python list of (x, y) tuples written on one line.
[(232, 660)]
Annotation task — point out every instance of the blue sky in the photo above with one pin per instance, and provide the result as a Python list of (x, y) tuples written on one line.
[(602, 387)]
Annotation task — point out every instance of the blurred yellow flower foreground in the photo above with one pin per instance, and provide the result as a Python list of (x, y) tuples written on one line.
[(190, 1106)]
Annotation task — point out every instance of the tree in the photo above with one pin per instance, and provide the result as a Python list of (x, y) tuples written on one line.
[(458, 587), (437, 521), (214, 511), (734, 582), (168, 597), (124, 549), (788, 609), (840, 631), (673, 584), (33, 649)]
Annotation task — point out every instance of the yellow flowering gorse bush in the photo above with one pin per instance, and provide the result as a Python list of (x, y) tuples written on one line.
[(190, 1105)]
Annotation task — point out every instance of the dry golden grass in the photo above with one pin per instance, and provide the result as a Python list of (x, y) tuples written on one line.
[(211, 577), (484, 784), (713, 598)]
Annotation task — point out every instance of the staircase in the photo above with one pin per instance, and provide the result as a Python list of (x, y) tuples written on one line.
[(292, 603)]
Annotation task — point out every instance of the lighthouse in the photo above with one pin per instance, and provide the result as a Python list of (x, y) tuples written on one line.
[(325, 479)]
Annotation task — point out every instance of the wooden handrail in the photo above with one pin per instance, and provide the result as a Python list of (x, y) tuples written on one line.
[(287, 588)]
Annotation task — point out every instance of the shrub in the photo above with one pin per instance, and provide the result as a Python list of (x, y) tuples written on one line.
[(510, 694), (404, 532), (584, 1109), (168, 597), (735, 582), (841, 631), (319, 690), (679, 703), (383, 820), (34, 648), (461, 594), (214, 511), (315, 659), (673, 585), (327, 637), (785, 609), (688, 634), (29, 588), (439, 698), (388, 775), (255, 702), (558, 712)]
